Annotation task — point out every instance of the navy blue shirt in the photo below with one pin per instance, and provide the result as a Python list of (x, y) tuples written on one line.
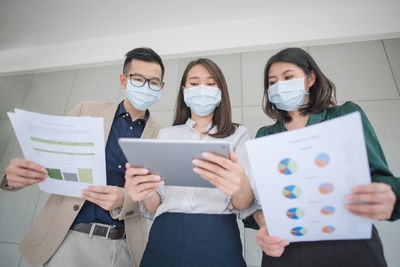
[(122, 126)]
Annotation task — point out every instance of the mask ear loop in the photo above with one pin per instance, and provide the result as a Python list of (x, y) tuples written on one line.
[(307, 92)]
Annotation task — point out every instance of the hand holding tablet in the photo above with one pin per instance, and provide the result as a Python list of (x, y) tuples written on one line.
[(140, 184), (171, 159)]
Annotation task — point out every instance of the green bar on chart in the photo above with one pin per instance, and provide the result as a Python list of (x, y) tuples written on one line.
[(63, 153), (86, 175), (61, 143), (54, 173)]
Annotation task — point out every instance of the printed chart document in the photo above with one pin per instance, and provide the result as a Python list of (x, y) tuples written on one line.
[(70, 148), (303, 177)]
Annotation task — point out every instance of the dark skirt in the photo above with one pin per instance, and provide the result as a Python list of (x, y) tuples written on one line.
[(191, 240), (343, 253)]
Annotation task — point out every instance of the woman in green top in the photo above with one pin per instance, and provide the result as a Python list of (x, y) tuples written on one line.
[(298, 94)]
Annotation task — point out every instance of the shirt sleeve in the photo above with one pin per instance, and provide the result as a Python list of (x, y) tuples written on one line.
[(377, 161), (144, 211), (161, 191), (128, 209), (241, 154), (250, 222)]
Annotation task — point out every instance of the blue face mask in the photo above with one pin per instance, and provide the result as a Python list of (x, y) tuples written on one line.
[(202, 100), (142, 97), (287, 95)]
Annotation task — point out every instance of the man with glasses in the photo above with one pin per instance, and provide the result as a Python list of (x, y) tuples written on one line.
[(104, 227)]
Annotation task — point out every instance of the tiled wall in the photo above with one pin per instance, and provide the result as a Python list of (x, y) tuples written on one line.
[(365, 72)]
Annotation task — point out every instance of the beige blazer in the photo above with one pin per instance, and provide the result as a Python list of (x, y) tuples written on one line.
[(50, 227)]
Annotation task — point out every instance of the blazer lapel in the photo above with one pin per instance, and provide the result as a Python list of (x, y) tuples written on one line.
[(151, 129), (108, 113)]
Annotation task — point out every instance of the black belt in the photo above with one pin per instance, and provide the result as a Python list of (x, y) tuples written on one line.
[(109, 232)]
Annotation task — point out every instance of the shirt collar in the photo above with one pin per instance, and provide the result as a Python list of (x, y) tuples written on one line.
[(121, 112), (191, 123), (314, 118)]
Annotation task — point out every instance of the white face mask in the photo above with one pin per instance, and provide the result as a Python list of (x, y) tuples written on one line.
[(202, 100), (287, 95), (142, 97)]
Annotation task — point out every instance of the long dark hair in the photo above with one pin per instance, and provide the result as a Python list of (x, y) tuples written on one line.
[(222, 114), (322, 92)]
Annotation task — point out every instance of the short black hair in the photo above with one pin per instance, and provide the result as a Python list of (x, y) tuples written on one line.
[(145, 54)]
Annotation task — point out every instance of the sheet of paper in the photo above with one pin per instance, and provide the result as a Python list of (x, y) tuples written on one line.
[(71, 149), (303, 177)]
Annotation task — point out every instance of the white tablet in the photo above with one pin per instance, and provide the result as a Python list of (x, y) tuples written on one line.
[(171, 159)]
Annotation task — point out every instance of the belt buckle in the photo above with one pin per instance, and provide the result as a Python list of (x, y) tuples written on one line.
[(108, 232), (92, 230)]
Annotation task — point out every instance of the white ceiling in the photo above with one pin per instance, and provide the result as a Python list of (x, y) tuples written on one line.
[(30, 23), (52, 34)]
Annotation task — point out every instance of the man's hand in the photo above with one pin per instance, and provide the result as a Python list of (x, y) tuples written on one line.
[(106, 196), (21, 173)]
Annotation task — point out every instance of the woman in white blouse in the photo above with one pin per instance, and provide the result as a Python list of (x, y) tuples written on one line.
[(197, 226)]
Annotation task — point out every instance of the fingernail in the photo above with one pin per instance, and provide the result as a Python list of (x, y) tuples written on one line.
[(195, 161), (157, 178), (196, 170), (144, 171), (43, 169)]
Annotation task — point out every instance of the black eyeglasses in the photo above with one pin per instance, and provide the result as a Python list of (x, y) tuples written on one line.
[(138, 80)]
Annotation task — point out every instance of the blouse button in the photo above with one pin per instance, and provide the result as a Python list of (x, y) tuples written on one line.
[(76, 207), (119, 166), (130, 128)]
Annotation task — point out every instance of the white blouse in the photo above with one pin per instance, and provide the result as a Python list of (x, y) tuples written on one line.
[(202, 200)]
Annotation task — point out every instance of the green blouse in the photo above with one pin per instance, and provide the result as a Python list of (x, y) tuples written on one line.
[(377, 162)]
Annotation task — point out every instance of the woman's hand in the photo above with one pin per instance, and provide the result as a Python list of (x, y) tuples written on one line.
[(378, 198), (272, 246), (21, 173), (106, 196), (141, 185), (227, 175)]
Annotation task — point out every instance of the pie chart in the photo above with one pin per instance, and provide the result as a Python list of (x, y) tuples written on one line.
[(291, 191), (321, 160), (328, 229), (287, 166), (328, 210), (326, 188), (298, 231), (295, 213)]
